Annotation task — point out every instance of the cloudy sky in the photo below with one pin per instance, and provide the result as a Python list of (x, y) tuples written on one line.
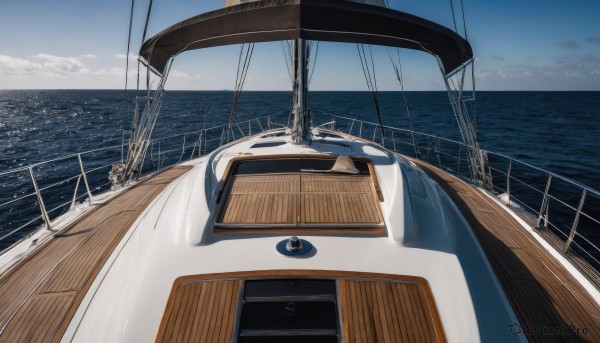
[(519, 45)]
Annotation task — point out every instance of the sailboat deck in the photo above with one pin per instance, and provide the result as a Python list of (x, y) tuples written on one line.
[(541, 291), (39, 295)]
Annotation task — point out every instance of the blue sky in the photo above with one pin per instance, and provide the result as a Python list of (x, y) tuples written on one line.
[(519, 45)]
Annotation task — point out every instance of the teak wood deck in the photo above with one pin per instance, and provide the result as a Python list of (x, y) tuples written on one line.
[(300, 201), (372, 307), (541, 291), (40, 294)]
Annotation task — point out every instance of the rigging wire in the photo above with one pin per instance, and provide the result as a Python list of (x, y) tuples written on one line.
[(126, 80), (312, 70), (399, 77), (143, 39), (474, 102), (371, 79), (138, 65), (287, 57), (462, 8), (458, 90), (467, 123), (147, 21), (242, 72), (453, 16)]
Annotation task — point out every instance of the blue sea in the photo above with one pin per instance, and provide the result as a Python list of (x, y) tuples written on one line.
[(557, 131)]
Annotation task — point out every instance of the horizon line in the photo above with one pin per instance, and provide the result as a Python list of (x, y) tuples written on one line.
[(288, 91)]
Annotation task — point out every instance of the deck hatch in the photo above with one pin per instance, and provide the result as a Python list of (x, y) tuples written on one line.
[(300, 306), (298, 194), (280, 310)]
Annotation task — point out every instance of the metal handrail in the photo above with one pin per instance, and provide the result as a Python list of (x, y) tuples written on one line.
[(586, 190), (214, 127), (44, 214), (546, 171), (37, 164), (201, 142), (198, 142), (20, 228), (17, 199)]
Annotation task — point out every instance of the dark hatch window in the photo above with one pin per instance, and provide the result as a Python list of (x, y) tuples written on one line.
[(290, 310), (290, 165)]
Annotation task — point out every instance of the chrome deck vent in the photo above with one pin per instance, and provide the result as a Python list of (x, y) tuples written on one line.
[(295, 247)]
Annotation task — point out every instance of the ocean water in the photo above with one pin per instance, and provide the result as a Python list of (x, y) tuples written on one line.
[(558, 131)]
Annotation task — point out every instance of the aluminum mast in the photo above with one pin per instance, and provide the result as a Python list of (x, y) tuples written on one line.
[(301, 120)]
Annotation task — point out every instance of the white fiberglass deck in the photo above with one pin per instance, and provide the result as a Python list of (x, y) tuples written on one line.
[(177, 238)]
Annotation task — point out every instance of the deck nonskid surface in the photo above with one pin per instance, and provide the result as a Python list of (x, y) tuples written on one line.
[(541, 291), (39, 296)]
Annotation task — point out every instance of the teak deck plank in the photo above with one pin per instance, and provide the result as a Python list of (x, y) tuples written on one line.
[(300, 199), (40, 294), (207, 316), (540, 290), (372, 307)]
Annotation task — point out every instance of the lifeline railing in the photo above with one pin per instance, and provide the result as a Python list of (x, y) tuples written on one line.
[(35, 195), (540, 194)]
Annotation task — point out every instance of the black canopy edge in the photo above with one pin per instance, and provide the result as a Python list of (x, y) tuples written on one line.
[(322, 20)]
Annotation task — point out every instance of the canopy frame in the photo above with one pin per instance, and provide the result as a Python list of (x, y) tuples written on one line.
[(320, 20)]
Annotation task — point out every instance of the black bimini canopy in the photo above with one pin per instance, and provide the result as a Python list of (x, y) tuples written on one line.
[(321, 20)]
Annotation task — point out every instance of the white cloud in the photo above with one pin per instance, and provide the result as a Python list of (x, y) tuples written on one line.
[(13, 65), (132, 56), (51, 71), (578, 70), (61, 65), (178, 75)]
